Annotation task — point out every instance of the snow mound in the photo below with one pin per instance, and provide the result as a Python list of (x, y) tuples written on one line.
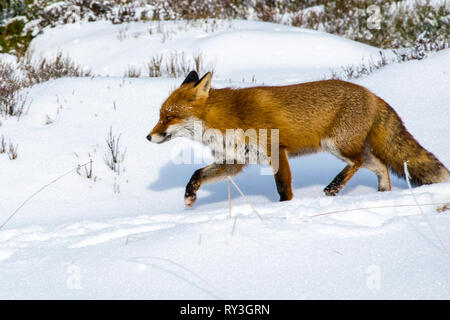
[(237, 49)]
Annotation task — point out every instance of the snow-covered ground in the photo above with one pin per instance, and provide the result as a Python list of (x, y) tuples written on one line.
[(237, 50), (127, 235)]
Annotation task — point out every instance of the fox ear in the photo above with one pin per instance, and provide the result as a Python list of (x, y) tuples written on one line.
[(191, 77), (202, 87)]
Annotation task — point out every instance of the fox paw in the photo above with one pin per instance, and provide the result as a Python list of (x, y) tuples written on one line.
[(331, 192), (189, 200)]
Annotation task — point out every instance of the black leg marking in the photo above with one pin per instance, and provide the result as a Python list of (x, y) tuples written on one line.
[(192, 186), (338, 183), (341, 179), (335, 186), (282, 191)]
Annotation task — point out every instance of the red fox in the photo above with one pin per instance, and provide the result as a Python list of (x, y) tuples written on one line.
[(340, 117)]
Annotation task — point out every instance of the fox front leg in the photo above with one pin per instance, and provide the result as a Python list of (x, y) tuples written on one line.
[(212, 173), (283, 176)]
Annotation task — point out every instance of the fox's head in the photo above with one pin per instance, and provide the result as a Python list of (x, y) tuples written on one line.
[(184, 106)]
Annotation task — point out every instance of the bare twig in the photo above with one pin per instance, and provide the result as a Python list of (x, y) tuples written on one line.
[(234, 225), (229, 198), (2, 145), (246, 199), (88, 170), (37, 192), (113, 156), (12, 151), (408, 178), (375, 207)]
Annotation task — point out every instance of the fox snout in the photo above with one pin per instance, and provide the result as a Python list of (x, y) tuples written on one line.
[(168, 129), (159, 137), (159, 133)]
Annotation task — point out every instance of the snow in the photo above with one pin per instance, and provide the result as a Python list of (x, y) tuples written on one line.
[(128, 235), (8, 58)]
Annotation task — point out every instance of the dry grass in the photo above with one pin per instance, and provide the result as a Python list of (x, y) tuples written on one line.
[(2, 145), (12, 102), (26, 73), (47, 69), (154, 66), (356, 71), (349, 72), (445, 207), (132, 72), (178, 65), (86, 171), (9, 148), (114, 157), (12, 151)]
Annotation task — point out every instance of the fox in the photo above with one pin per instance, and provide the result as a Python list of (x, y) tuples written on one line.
[(335, 116)]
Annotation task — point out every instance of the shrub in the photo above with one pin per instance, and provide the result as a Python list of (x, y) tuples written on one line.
[(11, 101), (113, 155), (26, 73), (380, 23), (154, 66), (47, 69), (87, 171), (177, 65), (10, 149), (132, 72), (2, 145)]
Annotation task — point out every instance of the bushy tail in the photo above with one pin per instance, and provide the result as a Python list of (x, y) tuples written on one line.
[(394, 145)]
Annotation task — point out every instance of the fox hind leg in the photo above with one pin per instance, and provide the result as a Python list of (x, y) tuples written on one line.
[(343, 177), (212, 173), (354, 162), (375, 165)]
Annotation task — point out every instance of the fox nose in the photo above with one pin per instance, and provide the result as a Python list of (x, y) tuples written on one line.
[(149, 138)]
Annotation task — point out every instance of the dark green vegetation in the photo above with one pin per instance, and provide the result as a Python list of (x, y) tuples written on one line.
[(423, 25)]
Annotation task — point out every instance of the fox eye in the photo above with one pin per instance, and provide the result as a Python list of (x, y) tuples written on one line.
[(169, 118)]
